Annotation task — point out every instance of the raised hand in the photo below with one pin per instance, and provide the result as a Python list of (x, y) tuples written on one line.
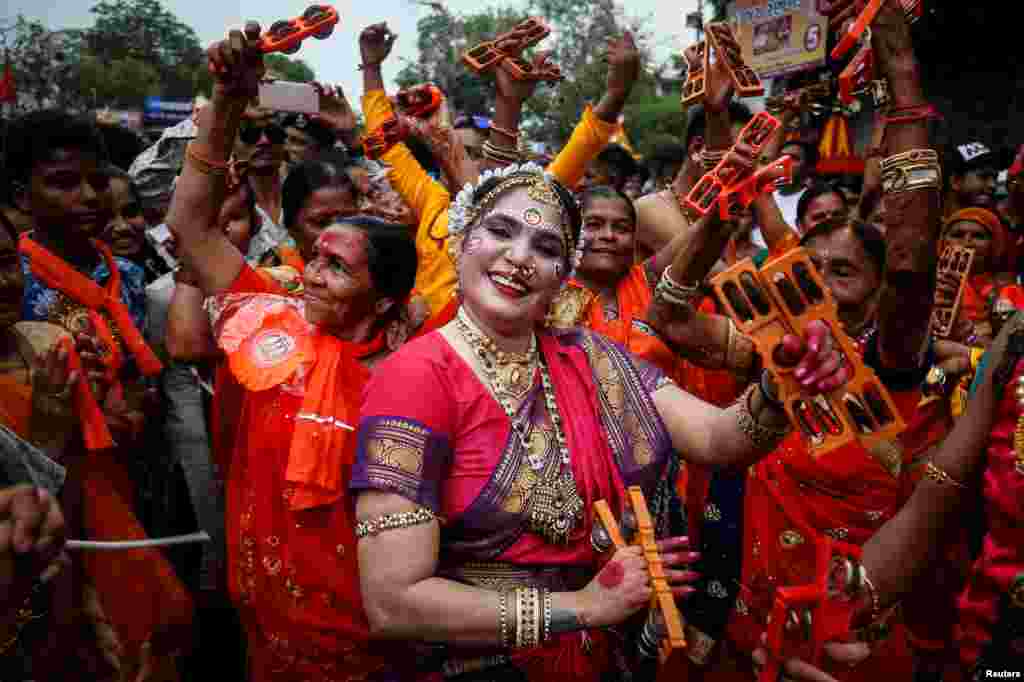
[(719, 83), (335, 110), (237, 63), (519, 90), (820, 368), (890, 34), (623, 59), (375, 43)]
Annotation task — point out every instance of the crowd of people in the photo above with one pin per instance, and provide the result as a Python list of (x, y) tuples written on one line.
[(391, 391)]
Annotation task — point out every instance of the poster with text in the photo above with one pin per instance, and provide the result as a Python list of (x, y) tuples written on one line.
[(779, 37)]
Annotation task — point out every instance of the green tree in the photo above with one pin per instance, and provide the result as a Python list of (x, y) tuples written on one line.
[(45, 65), (120, 83), (580, 30), (295, 70), (145, 31), (441, 38)]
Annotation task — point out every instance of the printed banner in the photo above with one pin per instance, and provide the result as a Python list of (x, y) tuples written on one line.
[(779, 37)]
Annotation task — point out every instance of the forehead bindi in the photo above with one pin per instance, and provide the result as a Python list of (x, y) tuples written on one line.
[(347, 243)]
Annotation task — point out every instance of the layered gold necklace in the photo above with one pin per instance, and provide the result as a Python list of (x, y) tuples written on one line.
[(554, 507)]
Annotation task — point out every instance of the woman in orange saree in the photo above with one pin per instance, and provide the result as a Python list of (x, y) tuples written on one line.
[(294, 371)]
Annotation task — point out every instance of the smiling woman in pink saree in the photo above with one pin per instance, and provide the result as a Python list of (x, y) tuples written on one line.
[(484, 445)]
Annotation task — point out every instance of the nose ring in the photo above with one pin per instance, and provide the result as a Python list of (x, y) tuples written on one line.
[(526, 271)]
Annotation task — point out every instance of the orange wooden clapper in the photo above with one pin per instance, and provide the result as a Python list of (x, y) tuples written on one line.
[(662, 599), (781, 298)]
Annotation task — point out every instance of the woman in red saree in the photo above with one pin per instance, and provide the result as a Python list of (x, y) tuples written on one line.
[(481, 474), (295, 369)]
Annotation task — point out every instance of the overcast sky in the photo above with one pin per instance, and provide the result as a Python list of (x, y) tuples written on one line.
[(335, 59)]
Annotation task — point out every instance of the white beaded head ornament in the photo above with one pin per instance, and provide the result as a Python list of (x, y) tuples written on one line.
[(464, 213)]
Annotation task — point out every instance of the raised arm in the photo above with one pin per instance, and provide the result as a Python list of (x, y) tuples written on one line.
[(912, 541), (738, 436), (237, 66), (911, 217), (598, 125), (424, 195)]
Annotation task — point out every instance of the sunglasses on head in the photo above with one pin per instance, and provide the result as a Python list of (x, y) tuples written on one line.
[(252, 134)]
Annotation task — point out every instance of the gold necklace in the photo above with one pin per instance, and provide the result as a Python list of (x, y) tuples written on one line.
[(554, 507)]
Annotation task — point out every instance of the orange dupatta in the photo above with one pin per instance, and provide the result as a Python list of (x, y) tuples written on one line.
[(57, 274), (268, 342)]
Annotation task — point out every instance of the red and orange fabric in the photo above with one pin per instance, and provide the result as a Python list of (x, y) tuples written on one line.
[(100, 302), (16, 406), (992, 606), (287, 397), (846, 494), (154, 603)]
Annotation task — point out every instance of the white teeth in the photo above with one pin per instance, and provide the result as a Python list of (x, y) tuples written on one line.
[(511, 284)]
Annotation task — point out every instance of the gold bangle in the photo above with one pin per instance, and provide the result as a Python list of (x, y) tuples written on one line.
[(937, 475), (394, 521), (672, 292), (203, 164), (911, 170), (763, 438)]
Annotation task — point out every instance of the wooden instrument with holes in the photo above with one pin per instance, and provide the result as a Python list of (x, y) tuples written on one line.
[(955, 260), (728, 49), (696, 85), (661, 593), (859, 73), (490, 53), (726, 176), (287, 35), (805, 617), (420, 101), (781, 298)]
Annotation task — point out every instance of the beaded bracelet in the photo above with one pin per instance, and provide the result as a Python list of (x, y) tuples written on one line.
[(503, 618), (546, 599), (394, 521)]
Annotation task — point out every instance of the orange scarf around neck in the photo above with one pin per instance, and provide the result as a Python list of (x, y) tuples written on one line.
[(55, 273), (268, 342)]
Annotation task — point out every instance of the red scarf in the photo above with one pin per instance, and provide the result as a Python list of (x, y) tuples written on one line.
[(55, 273)]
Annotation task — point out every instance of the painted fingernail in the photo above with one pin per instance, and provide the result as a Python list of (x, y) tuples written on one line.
[(800, 372), (693, 556)]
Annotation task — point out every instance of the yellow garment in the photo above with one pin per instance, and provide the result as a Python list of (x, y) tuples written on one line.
[(429, 200)]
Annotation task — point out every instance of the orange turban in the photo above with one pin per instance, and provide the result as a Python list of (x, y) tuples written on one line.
[(1002, 252)]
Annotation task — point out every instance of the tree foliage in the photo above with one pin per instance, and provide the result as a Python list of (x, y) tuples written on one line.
[(134, 49), (441, 38), (119, 83), (295, 70), (144, 30), (45, 65), (580, 32)]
